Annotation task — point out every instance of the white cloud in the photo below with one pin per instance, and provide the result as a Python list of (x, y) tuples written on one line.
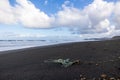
[(30, 35), (21, 35), (105, 26), (25, 13), (99, 10), (70, 17), (117, 15), (99, 16), (30, 16), (6, 13), (93, 18)]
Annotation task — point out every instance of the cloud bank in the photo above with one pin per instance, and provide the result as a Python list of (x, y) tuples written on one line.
[(98, 17)]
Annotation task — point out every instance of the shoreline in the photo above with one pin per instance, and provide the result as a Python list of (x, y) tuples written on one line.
[(47, 45), (32, 46), (8, 48)]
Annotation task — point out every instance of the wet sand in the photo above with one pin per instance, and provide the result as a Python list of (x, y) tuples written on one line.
[(96, 58)]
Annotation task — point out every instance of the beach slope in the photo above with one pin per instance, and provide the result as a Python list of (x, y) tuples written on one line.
[(96, 58)]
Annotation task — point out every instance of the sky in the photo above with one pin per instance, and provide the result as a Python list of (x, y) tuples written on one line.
[(40, 18)]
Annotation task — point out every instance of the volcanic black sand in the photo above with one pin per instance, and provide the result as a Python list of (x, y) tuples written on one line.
[(96, 59)]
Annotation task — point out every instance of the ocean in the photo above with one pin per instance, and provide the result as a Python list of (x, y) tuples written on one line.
[(12, 44)]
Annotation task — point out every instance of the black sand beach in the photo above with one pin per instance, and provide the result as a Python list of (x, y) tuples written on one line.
[(96, 58)]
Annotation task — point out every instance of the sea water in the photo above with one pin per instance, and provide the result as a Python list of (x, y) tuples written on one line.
[(12, 44)]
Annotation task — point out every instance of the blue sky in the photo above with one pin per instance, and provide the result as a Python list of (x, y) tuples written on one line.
[(48, 5), (59, 17)]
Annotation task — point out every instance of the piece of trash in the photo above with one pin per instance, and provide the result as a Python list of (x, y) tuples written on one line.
[(64, 62)]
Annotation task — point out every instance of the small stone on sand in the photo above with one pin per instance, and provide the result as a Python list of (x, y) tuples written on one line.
[(103, 75), (112, 78)]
